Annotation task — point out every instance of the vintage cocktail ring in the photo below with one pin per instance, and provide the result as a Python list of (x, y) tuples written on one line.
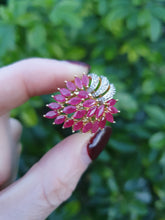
[(85, 104)]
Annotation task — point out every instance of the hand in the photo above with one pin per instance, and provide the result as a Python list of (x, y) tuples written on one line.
[(52, 180)]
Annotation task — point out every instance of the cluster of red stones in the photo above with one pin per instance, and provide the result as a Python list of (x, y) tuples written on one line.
[(76, 108)]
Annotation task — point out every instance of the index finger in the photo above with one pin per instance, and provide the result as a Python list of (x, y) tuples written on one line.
[(35, 76)]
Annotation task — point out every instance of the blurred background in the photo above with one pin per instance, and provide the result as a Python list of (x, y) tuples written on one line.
[(124, 40)]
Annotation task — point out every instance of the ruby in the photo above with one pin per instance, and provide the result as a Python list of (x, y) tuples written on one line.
[(91, 111), (87, 127), (60, 119), (89, 103), (78, 126), (74, 101), (65, 92), (85, 80), (83, 94), (109, 117), (112, 109), (59, 98), (95, 126), (54, 105), (69, 109), (71, 86), (102, 123), (68, 123), (51, 114), (100, 111), (79, 114), (78, 83), (111, 102)]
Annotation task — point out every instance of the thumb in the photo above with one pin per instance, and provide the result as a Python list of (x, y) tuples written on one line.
[(53, 179)]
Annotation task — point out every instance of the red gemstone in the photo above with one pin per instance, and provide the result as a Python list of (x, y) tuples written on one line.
[(51, 114), (71, 86), (87, 127), (109, 117), (95, 126), (59, 98), (112, 109), (83, 94), (78, 83), (91, 111), (79, 114), (111, 102), (68, 123), (69, 109), (65, 92), (85, 80), (54, 105), (89, 103), (78, 126), (60, 119), (102, 123), (100, 111), (74, 101)]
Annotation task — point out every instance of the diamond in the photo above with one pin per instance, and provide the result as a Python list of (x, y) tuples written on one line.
[(94, 82), (109, 95), (103, 86)]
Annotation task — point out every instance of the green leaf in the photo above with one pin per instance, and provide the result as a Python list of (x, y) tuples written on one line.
[(155, 29), (156, 114), (7, 38), (29, 117), (157, 140), (37, 36)]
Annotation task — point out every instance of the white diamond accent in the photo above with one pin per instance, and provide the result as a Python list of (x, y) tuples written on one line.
[(103, 86), (94, 82), (109, 95)]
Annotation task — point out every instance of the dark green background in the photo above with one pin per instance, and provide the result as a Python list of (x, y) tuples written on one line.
[(124, 40)]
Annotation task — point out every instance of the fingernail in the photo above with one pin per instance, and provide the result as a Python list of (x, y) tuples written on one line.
[(98, 142), (79, 63)]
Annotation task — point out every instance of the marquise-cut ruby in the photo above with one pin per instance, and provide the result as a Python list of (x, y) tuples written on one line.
[(109, 117), (85, 80), (91, 111), (79, 114), (95, 126), (51, 114), (74, 101), (111, 102), (60, 119), (83, 94), (69, 109), (54, 105), (100, 111), (71, 86), (59, 98), (65, 92), (78, 126), (87, 127), (89, 103), (112, 109), (78, 83), (68, 123), (102, 123)]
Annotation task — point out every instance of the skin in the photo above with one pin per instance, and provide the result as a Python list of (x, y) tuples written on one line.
[(52, 179)]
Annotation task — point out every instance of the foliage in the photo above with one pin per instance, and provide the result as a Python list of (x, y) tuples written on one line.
[(125, 40)]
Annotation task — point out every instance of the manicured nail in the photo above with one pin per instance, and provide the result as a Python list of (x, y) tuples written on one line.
[(79, 63), (98, 142)]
